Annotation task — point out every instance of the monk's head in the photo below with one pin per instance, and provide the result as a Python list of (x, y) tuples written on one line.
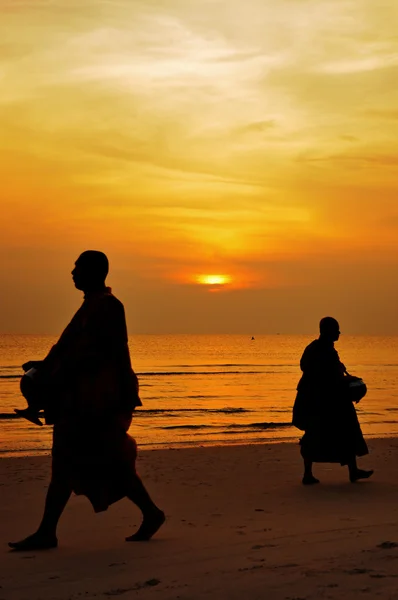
[(329, 329), (91, 270)]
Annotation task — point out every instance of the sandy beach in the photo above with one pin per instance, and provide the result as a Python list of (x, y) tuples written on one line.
[(240, 525)]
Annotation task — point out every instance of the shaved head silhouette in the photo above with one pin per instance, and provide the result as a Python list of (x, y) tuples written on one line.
[(329, 328), (94, 261), (91, 270)]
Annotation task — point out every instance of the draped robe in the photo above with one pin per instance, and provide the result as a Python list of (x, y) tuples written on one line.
[(323, 410), (91, 395)]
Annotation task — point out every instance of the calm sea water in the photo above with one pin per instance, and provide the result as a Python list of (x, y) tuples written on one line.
[(201, 390)]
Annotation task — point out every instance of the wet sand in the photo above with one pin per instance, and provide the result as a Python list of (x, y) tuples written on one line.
[(240, 525)]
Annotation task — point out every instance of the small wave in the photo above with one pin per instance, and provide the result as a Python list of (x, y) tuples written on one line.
[(6, 416), (190, 373), (188, 427), (234, 426), (226, 411), (222, 365), (12, 415), (142, 412), (200, 396), (270, 425), (181, 373), (30, 451)]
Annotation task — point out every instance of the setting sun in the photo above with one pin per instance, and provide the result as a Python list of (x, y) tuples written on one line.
[(203, 151), (213, 279)]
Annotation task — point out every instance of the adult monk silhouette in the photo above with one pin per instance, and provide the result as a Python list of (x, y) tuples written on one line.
[(324, 408), (89, 393)]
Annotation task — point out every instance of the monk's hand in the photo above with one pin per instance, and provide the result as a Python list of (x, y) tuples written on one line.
[(351, 377)]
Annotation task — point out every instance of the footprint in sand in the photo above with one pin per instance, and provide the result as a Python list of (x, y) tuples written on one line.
[(387, 545), (253, 568), (359, 571), (137, 586)]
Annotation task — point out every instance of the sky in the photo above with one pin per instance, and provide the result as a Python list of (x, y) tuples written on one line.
[(255, 140)]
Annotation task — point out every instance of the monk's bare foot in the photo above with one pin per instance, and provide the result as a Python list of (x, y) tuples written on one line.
[(148, 528), (360, 474), (28, 414), (37, 541), (310, 480)]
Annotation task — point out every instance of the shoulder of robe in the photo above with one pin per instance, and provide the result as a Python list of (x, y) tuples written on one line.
[(111, 305), (312, 347), (104, 304)]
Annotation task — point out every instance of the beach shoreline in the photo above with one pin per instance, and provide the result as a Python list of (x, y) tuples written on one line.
[(142, 448), (239, 524)]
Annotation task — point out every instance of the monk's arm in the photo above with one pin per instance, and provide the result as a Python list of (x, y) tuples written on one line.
[(112, 339)]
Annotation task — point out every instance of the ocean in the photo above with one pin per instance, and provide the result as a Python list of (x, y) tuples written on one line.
[(211, 389)]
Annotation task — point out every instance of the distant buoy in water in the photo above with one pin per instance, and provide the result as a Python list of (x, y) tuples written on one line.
[(253, 338)]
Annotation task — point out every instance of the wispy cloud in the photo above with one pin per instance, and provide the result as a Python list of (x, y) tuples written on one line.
[(201, 128)]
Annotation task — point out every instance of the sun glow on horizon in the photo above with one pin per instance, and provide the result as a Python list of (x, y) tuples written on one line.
[(212, 155), (213, 279)]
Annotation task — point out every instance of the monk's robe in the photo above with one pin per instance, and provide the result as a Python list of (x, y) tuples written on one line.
[(92, 393), (323, 409)]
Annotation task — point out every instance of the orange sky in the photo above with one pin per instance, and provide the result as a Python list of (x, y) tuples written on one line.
[(186, 137)]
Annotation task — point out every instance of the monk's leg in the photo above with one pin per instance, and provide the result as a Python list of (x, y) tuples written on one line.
[(308, 477), (153, 517), (356, 473), (58, 494)]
